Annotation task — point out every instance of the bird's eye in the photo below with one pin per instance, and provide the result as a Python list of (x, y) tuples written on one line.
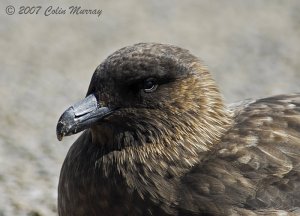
[(150, 85)]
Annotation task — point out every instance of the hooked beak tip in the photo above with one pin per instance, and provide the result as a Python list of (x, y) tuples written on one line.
[(60, 130), (59, 133), (60, 137)]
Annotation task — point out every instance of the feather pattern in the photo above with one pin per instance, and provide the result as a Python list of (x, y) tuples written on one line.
[(256, 164)]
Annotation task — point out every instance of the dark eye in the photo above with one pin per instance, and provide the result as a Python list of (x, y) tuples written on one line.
[(150, 85)]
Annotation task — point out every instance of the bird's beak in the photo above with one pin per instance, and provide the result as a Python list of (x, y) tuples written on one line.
[(80, 116)]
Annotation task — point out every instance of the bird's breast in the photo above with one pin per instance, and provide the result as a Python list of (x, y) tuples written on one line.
[(86, 188)]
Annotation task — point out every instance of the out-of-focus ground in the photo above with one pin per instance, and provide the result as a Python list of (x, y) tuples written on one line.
[(251, 47)]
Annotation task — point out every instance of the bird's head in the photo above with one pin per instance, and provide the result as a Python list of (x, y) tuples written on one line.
[(149, 94)]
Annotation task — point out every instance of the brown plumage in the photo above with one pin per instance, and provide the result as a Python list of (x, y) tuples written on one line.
[(160, 141)]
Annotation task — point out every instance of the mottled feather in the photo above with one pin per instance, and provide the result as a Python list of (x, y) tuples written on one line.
[(256, 164)]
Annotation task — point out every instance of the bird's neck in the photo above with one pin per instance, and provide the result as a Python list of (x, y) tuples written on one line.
[(156, 163), (171, 140)]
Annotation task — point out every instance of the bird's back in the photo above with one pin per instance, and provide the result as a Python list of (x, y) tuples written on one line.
[(255, 169)]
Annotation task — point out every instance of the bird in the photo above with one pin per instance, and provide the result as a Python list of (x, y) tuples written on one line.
[(158, 139)]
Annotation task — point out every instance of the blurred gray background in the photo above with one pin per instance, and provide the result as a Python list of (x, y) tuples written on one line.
[(251, 47)]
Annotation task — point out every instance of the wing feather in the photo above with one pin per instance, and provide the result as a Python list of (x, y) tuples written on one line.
[(256, 166)]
